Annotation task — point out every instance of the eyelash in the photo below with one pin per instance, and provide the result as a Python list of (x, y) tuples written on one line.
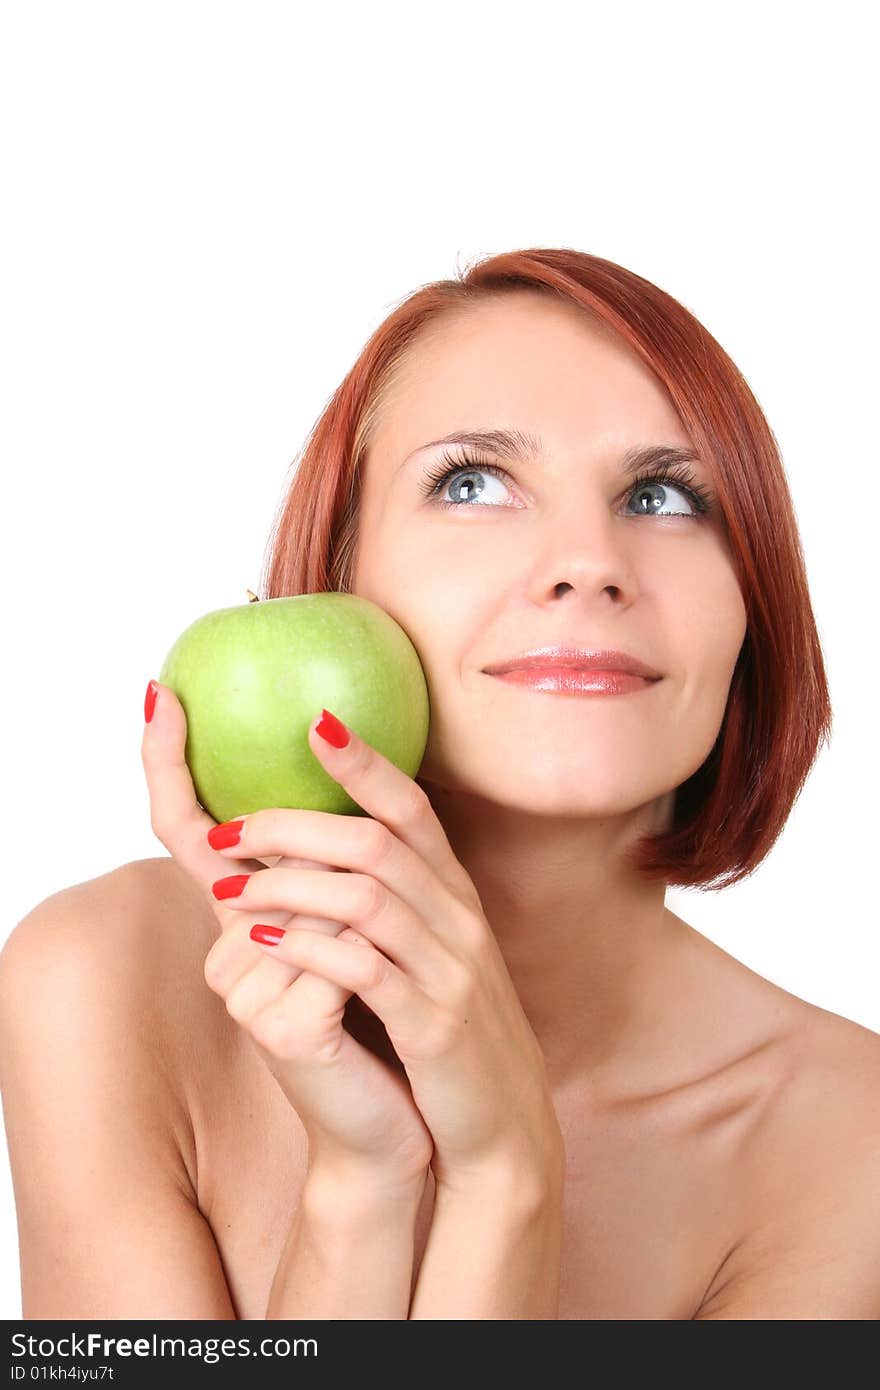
[(679, 475)]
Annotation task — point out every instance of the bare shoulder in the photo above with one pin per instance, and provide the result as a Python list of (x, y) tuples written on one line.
[(126, 950), (830, 1101), (142, 921), (119, 900), (810, 1242), (93, 987)]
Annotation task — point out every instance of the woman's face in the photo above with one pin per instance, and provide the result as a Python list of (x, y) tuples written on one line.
[(557, 553)]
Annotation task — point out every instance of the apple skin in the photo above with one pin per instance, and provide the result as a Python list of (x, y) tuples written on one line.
[(251, 679)]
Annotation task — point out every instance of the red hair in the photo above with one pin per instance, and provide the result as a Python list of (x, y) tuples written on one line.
[(730, 812)]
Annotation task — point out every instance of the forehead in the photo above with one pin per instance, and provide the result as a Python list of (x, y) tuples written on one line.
[(526, 361)]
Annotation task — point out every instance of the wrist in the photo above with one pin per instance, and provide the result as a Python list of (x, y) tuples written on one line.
[(356, 1196), (524, 1180)]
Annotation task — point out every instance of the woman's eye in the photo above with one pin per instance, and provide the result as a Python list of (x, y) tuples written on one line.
[(465, 483), (651, 497)]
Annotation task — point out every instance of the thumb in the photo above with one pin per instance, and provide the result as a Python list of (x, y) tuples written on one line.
[(174, 806), (176, 817)]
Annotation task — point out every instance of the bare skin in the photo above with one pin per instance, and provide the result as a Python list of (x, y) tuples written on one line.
[(720, 1133), (663, 1181), (538, 794)]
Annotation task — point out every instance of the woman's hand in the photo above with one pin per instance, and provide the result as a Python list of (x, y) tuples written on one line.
[(432, 973), (357, 1110)]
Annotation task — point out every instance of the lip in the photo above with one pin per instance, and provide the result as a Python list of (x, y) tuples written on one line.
[(572, 660), (570, 680)]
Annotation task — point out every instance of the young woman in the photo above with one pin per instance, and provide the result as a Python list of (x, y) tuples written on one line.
[(476, 1068)]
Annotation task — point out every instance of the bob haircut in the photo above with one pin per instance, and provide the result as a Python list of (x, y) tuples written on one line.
[(730, 812)]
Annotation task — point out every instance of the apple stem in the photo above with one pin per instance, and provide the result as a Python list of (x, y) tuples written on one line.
[(252, 597)]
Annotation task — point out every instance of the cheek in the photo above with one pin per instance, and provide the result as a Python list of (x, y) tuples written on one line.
[(428, 599), (714, 624), (697, 590), (422, 578), (445, 610), (721, 619)]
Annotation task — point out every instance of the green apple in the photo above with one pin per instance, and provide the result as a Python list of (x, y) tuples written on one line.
[(251, 679)]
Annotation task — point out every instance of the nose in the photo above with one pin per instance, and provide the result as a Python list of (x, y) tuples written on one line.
[(584, 552)]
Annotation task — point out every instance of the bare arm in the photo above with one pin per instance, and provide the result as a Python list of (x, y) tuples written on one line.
[(107, 1223), (349, 1253), (494, 1250)]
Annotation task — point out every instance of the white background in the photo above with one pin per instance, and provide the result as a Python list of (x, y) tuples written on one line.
[(209, 208)]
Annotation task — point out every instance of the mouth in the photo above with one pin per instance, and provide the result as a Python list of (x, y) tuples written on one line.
[(575, 680), (575, 658)]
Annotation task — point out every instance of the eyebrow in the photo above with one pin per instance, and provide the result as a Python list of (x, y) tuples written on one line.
[(516, 446)]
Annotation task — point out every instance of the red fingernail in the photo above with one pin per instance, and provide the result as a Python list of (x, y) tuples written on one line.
[(332, 730), (226, 835), (229, 887), (269, 936), (150, 701)]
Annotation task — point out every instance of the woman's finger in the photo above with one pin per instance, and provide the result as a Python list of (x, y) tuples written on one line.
[(358, 901), (269, 980), (176, 817), (182, 824), (356, 843), (359, 968), (388, 795)]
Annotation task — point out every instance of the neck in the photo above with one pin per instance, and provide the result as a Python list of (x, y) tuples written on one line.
[(589, 945)]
